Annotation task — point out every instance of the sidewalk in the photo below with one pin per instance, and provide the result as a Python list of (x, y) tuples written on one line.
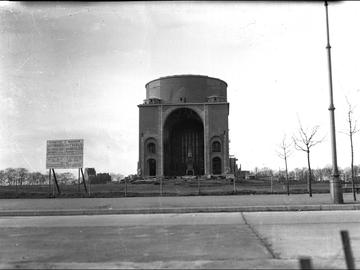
[(159, 205)]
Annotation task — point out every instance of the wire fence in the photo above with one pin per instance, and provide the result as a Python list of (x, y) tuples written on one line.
[(181, 186)]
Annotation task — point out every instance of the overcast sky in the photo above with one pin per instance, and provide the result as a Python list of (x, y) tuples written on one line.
[(78, 71)]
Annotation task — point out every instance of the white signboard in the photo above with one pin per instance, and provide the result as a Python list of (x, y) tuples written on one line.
[(64, 154)]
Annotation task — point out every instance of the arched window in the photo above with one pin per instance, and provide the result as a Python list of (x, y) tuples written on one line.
[(216, 146), (151, 148)]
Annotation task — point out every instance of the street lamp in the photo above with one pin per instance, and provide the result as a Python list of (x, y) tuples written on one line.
[(335, 184)]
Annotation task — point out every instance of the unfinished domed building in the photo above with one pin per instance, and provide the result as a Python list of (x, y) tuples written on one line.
[(183, 127)]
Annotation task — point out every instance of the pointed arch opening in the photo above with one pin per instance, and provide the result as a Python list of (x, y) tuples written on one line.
[(183, 143)]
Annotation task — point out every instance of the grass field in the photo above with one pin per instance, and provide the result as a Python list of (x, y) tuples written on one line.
[(168, 187)]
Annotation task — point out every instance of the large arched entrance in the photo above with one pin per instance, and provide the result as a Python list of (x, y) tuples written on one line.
[(183, 143)]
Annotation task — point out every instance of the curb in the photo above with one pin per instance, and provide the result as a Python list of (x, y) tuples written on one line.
[(72, 212)]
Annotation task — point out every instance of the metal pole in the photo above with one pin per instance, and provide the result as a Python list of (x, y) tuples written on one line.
[(335, 183), (347, 250)]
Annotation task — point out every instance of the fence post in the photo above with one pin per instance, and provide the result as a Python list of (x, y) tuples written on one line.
[(161, 186), (347, 250), (234, 184), (305, 263), (198, 185), (79, 180), (49, 181), (125, 187), (89, 186)]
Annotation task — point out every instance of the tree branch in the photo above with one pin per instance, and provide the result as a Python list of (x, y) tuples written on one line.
[(305, 141), (285, 149), (297, 144), (313, 132)]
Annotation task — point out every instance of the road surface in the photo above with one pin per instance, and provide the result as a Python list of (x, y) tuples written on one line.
[(200, 240)]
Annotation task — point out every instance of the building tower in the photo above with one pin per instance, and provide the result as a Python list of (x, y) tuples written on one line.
[(183, 127)]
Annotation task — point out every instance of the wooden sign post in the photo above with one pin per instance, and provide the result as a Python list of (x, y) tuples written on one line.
[(83, 178), (64, 154)]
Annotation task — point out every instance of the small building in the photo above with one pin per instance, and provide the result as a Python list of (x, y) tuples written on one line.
[(93, 178), (102, 178)]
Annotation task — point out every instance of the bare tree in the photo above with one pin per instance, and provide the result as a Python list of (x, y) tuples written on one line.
[(352, 130), (21, 175), (284, 153), (2, 177), (304, 142), (10, 175)]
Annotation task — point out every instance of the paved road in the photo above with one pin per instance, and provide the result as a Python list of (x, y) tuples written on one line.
[(200, 240)]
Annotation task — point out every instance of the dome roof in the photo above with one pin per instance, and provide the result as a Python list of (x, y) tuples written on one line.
[(186, 88)]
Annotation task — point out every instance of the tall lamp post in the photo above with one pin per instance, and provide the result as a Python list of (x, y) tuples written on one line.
[(335, 184)]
